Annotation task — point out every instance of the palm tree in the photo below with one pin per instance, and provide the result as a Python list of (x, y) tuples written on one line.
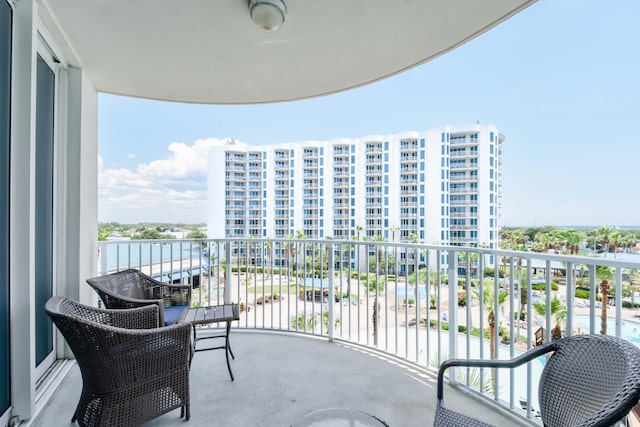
[(616, 240), (488, 301), (393, 231), (558, 311), (414, 239), (604, 234), (573, 238), (544, 239), (604, 273), (358, 230), (634, 279), (379, 238), (267, 247), (300, 255), (292, 251)]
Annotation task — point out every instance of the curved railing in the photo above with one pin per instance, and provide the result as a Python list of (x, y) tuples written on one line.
[(367, 292)]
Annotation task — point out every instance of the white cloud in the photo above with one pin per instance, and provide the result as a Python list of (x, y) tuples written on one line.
[(131, 156), (173, 189)]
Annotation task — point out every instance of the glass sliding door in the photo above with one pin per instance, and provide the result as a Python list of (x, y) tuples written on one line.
[(45, 137), (6, 25)]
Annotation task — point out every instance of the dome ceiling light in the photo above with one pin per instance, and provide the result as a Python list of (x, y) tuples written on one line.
[(268, 15)]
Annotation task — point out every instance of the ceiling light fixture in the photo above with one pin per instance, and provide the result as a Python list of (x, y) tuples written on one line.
[(268, 15)]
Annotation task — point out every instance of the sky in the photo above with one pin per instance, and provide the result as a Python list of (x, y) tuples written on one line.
[(560, 80)]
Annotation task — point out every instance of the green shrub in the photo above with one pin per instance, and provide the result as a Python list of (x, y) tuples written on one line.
[(443, 325), (543, 286), (490, 272), (581, 293), (462, 299), (583, 283)]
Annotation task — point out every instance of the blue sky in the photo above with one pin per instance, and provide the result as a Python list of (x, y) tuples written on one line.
[(560, 80)]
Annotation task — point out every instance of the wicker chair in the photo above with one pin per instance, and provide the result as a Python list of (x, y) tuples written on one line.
[(131, 370), (132, 288), (589, 380)]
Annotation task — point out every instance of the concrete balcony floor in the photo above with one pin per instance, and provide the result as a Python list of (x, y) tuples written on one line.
[(279, 378)]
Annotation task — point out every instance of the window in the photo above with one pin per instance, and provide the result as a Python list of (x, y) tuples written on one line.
[(44, 196)]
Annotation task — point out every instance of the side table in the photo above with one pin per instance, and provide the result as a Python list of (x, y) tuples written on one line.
[(213, 314)]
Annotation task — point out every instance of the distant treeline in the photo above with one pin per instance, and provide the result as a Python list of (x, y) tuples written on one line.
[(570, 240), (149, 230)]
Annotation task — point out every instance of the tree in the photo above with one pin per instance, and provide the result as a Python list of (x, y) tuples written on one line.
[(150, 234), (558, 311), (573, 239), (634, 279), (604, 273), (488, 299), (604, 234), (379, 238), (104, 231), (300, 255), (197, 234), (414, 239), (393, 231)]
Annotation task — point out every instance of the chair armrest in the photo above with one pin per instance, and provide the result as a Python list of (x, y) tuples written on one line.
[(485, 363)]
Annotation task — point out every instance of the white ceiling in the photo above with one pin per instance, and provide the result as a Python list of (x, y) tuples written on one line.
[(209, 51)]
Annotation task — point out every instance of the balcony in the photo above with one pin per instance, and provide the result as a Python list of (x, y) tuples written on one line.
[(281, 378), (403, 310), (86, 60)]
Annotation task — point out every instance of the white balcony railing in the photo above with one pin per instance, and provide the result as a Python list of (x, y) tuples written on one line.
[(366, 293)]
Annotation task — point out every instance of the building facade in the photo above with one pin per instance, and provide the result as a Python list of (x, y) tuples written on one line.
[(441, 186)]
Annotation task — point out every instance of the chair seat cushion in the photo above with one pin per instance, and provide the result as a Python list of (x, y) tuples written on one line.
[(172, 313)]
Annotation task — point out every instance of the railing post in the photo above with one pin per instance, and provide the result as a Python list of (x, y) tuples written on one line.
[(331, 301), (453, 311), (227, 273), (572, 289), (103, 248), (618, 283)]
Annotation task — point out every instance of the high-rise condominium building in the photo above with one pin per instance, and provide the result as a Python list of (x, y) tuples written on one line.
[(440, 186)]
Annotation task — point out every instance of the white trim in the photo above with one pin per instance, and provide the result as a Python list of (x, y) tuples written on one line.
[(6, 415), (43, 50), (45, 38), (22, 215)]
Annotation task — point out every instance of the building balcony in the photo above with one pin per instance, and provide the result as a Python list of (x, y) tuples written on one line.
[(408, 146), (408, 181), (408, 168)]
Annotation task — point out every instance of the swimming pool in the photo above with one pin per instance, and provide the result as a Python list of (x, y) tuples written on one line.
[(410, 292), (629, 330)]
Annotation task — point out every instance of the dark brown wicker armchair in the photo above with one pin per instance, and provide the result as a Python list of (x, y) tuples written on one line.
[(131, 370), (589, 380), (132, 288)]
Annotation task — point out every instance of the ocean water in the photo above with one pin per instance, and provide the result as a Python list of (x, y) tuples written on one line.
[(131, 253)]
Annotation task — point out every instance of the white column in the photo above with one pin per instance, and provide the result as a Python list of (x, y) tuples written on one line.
[(22, 254)]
